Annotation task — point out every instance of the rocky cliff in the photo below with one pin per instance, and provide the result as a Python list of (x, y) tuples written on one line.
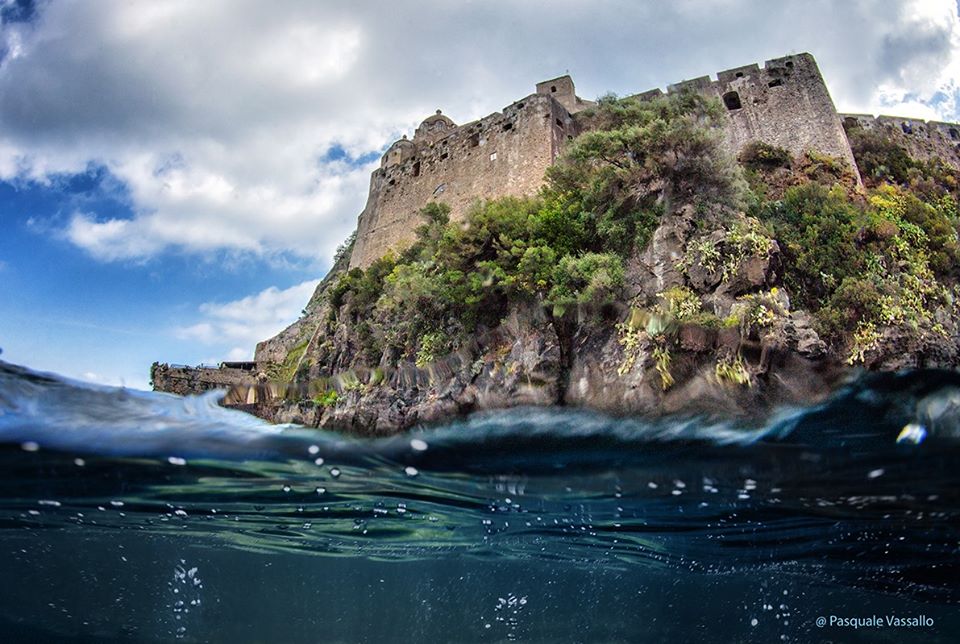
[(653, 273)]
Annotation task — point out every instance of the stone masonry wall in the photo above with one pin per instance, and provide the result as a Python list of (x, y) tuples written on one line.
[(505, 153), (921, 139), (183, 380), (785, 103)]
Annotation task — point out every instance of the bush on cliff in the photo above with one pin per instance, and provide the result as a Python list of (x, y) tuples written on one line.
[(863, 265), (455, 279), (637, 161), (882, 160)]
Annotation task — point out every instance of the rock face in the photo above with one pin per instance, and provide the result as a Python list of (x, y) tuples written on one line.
[(700, 327), (522, 363), (516, 364), (626, 358)]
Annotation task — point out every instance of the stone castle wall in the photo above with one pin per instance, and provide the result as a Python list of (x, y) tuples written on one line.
[(505, 153), (921, 139), (184, 380), (784, 103)]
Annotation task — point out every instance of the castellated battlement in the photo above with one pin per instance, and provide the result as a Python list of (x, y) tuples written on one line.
[(784, 103)]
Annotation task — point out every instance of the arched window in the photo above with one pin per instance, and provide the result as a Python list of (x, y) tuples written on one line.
[(732, 101)]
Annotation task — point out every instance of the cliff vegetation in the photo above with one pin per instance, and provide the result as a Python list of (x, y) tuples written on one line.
[(651, 272)]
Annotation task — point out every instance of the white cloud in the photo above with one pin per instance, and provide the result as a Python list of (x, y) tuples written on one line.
[(240, 324), (216, 115)]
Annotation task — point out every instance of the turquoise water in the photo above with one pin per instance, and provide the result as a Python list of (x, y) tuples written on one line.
[(130, 516)]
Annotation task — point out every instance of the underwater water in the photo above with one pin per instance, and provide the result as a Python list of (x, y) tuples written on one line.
[(134, 516)]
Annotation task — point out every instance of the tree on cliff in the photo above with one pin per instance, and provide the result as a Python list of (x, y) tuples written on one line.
[(640, 159)]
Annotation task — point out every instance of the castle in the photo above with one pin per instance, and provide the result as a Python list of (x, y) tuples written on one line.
[(785, 103)]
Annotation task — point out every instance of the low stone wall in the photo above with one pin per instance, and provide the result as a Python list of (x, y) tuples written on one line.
[(185, 381), (921, 139)]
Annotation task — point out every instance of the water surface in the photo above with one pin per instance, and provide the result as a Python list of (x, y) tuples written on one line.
[(132, 516)]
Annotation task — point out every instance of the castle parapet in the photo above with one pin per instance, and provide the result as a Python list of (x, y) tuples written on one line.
[(784, 103), (921, 139)]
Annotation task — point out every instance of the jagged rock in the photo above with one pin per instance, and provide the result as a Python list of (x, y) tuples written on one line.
[(697, 338), (754, 273), (903, 347), (656, 268), (804, 339), (703, 276)]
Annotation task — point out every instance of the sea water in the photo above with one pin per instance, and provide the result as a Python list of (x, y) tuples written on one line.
[(134, 516)]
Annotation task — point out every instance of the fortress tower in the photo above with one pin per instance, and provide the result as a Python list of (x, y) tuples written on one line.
[(785, 103)]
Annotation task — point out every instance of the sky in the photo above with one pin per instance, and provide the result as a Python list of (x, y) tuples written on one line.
[(175, 176)]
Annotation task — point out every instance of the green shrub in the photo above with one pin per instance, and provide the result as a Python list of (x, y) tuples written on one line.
[(879, 157), (757, 155), (591, 278), (432, 346), (327, 398)]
